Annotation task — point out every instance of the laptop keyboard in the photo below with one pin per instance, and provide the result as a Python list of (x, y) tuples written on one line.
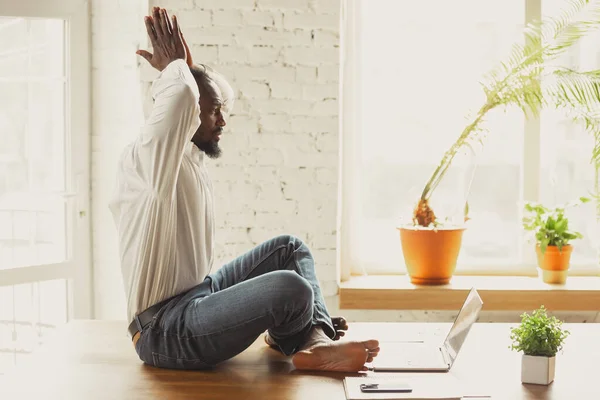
[(411, 355)]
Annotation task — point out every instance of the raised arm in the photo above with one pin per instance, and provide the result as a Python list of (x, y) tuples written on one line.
[(174, 117)]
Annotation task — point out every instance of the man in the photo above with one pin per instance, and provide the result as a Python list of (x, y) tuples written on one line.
[(182, 316)]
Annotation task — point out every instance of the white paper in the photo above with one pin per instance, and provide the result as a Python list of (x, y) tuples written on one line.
[(424, 387)]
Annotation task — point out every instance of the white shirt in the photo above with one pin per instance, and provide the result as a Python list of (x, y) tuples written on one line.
[(163, 205)]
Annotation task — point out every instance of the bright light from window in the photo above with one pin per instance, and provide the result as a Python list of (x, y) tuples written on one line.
[(33, 137), (421, 64)]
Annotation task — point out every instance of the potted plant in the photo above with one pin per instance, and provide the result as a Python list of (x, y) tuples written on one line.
[(531, 79), (553, 236), (539, 337)]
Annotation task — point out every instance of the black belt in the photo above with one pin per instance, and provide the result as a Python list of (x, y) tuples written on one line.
[(144, 318)]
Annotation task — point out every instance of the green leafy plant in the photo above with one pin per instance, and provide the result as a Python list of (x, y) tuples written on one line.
[(538, 334), (550, 226), (532, 79)]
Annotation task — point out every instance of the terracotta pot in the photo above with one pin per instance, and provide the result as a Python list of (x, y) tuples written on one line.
[(430, 255), (554, 264)]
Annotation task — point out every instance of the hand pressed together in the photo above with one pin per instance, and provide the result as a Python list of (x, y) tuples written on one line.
[(166, 38)]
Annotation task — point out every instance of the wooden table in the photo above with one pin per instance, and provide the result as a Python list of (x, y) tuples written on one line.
[(95, 360)]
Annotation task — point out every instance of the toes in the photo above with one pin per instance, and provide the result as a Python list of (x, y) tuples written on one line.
[(371, 344), (339, 323), (372, 353)]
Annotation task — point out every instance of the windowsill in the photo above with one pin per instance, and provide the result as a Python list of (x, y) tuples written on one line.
[(510, 293)]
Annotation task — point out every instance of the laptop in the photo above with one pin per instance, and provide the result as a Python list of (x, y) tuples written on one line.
[(428, 358)]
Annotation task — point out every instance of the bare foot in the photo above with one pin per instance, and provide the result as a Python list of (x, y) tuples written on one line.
[(323, 354), (339, 325)]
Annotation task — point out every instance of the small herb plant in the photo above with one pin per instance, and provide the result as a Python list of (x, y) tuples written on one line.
[(551, 226), (538, 334)]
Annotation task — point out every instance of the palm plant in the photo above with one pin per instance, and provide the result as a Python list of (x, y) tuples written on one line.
[(531, 80)]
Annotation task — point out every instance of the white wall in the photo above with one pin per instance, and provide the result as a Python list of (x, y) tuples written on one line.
[(117, 32), (278, 173)]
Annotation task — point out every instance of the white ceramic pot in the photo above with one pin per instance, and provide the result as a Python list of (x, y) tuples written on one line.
[(537, 370)]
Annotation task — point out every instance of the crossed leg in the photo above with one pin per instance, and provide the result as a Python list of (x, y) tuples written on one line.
[(320, 349)]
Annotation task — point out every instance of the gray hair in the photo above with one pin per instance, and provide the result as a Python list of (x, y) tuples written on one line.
[(204, 74)]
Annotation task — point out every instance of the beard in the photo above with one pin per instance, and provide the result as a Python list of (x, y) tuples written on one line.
[(210, 148)]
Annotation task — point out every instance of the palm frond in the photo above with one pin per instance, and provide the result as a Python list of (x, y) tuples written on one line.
[(579, 93), (575, 22), (569, 88), (545, 40), (529, 80), (591, 122)]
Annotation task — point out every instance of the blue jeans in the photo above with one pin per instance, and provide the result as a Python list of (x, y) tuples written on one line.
[(272, 287)]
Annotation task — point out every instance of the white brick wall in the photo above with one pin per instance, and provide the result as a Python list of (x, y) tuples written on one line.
[(281, 141), (278, 173)]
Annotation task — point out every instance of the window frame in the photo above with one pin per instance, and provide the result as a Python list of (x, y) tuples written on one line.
[(349, 185), (77, 269)]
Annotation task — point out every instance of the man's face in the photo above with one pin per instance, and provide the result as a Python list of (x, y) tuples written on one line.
[(212, 119)]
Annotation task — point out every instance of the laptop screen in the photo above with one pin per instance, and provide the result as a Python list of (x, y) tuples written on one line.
[(466, 317)]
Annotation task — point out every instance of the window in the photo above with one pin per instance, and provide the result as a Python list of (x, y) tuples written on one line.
[(32, 127), (44, 172), (410, 76)]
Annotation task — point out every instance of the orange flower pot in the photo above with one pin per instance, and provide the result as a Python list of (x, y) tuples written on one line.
[(554, 264), (430, 255)]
